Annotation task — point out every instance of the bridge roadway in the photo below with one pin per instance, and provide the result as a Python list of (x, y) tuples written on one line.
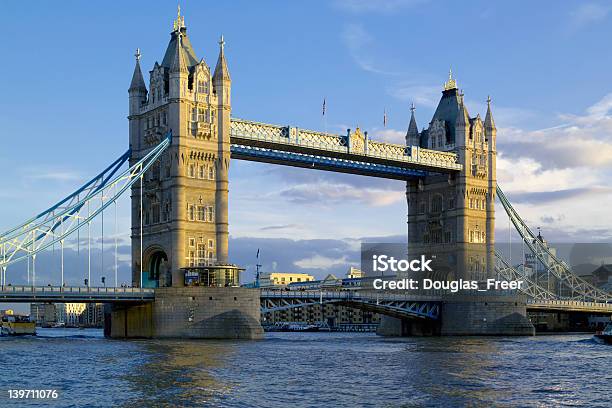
[(407, 304), (75, 294), (393, 303)]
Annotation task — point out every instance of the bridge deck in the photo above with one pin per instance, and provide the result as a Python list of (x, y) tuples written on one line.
[(264, 142), (568, 306), (56, 294)]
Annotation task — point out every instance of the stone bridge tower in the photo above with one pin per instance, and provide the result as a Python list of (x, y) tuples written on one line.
[(185, 194), (453, 218)]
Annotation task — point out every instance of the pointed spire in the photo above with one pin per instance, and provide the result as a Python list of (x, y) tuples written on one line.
[(180, 20), (451, 83), (221, 71), (412, 136), (179, 64), (138, 82), (463, 118), (489, 122)]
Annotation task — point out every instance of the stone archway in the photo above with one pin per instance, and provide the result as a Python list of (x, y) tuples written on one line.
[(157, 268)]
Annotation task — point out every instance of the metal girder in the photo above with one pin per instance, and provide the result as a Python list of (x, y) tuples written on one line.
[(55, 224), (351, 147), (62, 207), (510, 273), (580, 289), (242, 152), (57, 294), (392, 304)]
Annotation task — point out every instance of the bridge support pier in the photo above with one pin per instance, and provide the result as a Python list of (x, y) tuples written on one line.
[(468, 316), (395, 327), (190, 312)]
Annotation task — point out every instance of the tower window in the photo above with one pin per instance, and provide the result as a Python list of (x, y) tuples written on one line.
[(191, 212), (192, 172), (436, 204), (201, 255), (202, 172), (167, 211), (211, 244), (202, 87), (209, 213), (201, 115), (211, 172), (201, 213), (194, 115), (155, 212)]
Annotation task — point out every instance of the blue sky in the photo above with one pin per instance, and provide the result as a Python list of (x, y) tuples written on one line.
[(67, 66)]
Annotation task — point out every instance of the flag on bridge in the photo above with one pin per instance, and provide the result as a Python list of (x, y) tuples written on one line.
[(323, 106), (385, 118)]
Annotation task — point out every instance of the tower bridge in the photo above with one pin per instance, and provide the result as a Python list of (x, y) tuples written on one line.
[(182, 139)]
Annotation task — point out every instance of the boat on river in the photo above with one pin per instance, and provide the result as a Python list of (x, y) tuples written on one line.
[(17, 325), (605, 335)]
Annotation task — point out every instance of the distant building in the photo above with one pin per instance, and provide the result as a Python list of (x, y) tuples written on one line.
[(354, 273), (334, 315), (283, 278), (70, 314), (602, 276), (93, 315), (43, 313)]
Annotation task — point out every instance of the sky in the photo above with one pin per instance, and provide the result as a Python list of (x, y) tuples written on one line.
[(67, 66)]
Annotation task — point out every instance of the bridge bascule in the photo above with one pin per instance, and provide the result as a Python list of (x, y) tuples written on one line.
[(182, 139)]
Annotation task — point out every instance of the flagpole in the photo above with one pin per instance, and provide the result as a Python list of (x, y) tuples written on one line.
[(324, 117)]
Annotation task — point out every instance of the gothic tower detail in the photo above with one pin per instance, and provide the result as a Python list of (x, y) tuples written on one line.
[(452, 217), (185, 194)]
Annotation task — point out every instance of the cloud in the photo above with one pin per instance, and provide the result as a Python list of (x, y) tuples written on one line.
[(329, 193), (581, 141), (587, 14), (280, 227), (320, 262), (539, 197), (421, 95), (389, 135), (55, 176), (356, 38), (360, 46), (375, 6)]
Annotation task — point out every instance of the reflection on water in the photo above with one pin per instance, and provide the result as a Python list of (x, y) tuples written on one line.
[(178, 373), (309, 370)]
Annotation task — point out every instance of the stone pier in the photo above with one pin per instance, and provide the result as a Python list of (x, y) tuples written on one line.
[(190, 312), (468, 316)]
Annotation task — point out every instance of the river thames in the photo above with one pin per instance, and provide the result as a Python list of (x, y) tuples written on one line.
[(308, 370)]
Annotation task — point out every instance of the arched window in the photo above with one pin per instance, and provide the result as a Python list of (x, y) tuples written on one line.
[(436, 203)]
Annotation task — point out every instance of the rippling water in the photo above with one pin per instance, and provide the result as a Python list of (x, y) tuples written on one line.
[(308, 370)]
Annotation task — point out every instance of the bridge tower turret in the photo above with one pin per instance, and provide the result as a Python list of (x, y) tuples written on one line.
[(184, 196), (412, 135), (138, 90), (452, 218), (490, 137), (222, 84)]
